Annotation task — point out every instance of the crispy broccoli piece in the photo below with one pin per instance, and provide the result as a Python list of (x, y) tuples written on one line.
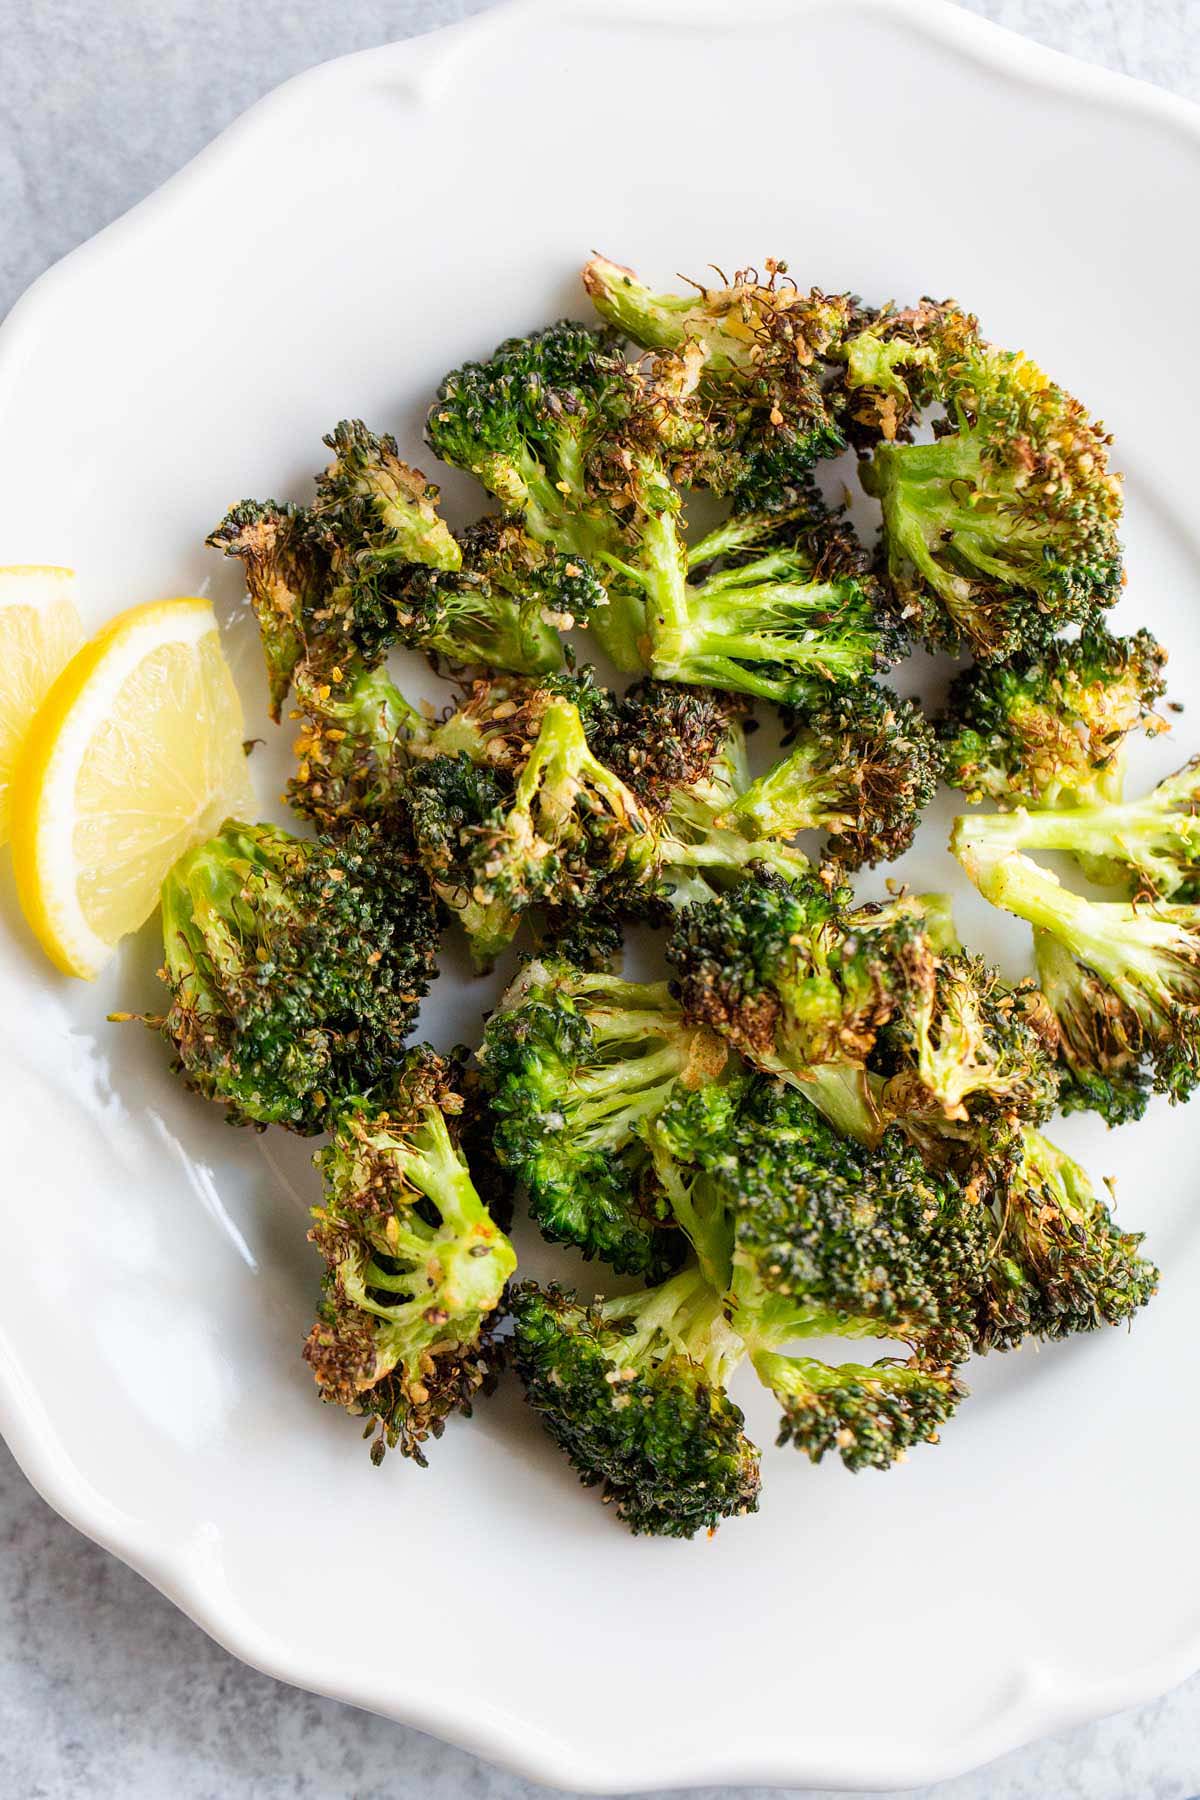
[(1138, 967), (864, 767), (495, 596), (1049, 728), (573, 440), (415, 1264), (1005, 529), (752, 350), (870, 1413), (354, 726), (633, 1390), (511, 810), (833, 1240), (1149, 846), (561, 798), (578, 1065), (1100, 1058), (891, 362), (287, 560), (965, 1044), (295, 969), (790, 975), (1063, 1266)]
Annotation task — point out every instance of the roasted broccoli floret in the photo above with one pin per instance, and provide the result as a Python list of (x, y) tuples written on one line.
[(496, 596), (1004, 530), (287, 560), (1149, 846), (1100, 1053), (891, 363), (295, 969), (752, 350), (1049, 729), (790, 974), (511, 810), (965, 1044), (579, 445), (354, 726), (1062, 1264), (1137, 980), (578, 1065), (828, 1239), (863, 768), (415, 1264), (633, 1390)]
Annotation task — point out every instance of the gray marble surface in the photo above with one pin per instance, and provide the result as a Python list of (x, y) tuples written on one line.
[(106, 1690)]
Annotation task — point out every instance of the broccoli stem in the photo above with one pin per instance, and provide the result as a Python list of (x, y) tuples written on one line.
[(656, 321), (798, 794), (1130, 947), (1158, 837), (689, 1315)]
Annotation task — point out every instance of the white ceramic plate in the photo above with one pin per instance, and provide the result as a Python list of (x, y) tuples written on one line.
[(360, 231)]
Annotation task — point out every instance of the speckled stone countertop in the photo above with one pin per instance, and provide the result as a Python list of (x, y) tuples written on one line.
[(105, 1689)]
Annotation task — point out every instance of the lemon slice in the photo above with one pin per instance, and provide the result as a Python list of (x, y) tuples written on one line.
[(134, 756), (39, 633)]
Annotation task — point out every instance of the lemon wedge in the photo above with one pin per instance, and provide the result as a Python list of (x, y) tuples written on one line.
[(39, 632), (135, 755)]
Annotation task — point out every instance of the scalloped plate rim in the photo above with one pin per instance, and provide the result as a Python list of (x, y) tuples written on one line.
[(1044, 1700)]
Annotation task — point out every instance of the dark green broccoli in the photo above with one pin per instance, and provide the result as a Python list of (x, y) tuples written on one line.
[(863, 768), (831, 1240), (633, 1391), (415, 1264), (578, 1065), (1136, 982), (494, 596), (287, 560), (790, 974), (511, 810), (1049, 728), (753, 352), (573, 440), (1004, 529), (295, 969)]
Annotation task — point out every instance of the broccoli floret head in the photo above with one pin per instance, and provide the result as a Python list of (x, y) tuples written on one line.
[(527, 421), (871, 1414), (752, 349), (893, 362), (578, 1066), (287, 559), (863, 768), (830, 1236), (1062, 1264), (834, 1240), (1004, 530), (415, 1264), (1047, 728), (511, 809), (378, 508), (295, 969), (633, 1391), (1145, 961), (788, 973), (1100, 1064), (966, 1044), (354, 726)]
